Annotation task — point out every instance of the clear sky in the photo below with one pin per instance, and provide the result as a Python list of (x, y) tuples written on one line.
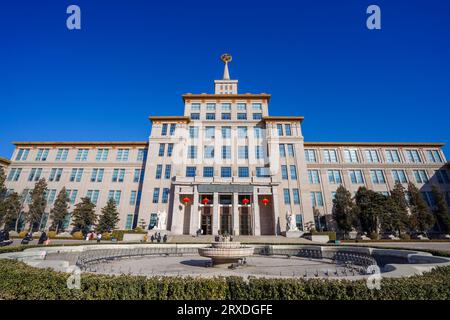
[(135, 58)]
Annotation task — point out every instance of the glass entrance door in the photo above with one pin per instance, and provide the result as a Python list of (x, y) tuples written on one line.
[(206, 223), (226, 220), (245, 227)]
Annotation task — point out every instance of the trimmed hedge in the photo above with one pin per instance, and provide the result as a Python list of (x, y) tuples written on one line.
[(19, 281)]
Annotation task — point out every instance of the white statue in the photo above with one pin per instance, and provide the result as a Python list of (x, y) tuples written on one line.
[(291, 225), (161, 223)]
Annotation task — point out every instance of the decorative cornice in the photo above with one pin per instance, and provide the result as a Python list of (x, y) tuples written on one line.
[(80, 143), (5, 161), (226, 96), (283, 118), (169, 118), (374, 144)]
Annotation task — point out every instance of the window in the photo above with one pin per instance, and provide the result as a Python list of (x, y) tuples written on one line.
[(257, 132), (262, 172), (299, 221), (242, 116), (118, 175), (243, 152), (310, 155), (61, 155), (316, 199), (242, 132), (142, 155), (421, 176), (392, 156), (193, 132), (122, 154), (42, 155), (226, 106), (165, 195), (313, 176), (399, 176), (208, 172), (226, 152), (282, 150), (22, 154), (195, 107), (35, 174), (243, 172), (290, 148), (334, 176), (210, 116), (209, 132), (293, 170), (226, 116), (287, 196), (72, 195), (350, 155), (241, 107), (209, 152), (164, 129), (155, 195), (433, 156), (429, 199), (296, 196), (284, 173), (257, 106), (173, 126), (93, 195), (287, 129), (441, 176), (76, 174), (133, 198), (14, 174), (129, 223), (82, 155), (259, 152), (195, 116), (372, 156), (377, 176), (169, 149), (257, 116), (153, 220), (162, 147), (55, 174), (192, 152), (51, 194), (190, 172), (137, 175), (211, 107), (280, 129), (413, 156), (225, 172), (226, 132), (158, 171), (168, 171), (356, 176), (329, 156), (102, 155)]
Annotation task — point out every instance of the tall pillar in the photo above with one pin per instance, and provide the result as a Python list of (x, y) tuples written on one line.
[(276, 210), (235, 214), (255, 214), (177, 214), (215, 227), (195, 219)]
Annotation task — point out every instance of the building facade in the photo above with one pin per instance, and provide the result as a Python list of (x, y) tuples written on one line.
[(224, 166)]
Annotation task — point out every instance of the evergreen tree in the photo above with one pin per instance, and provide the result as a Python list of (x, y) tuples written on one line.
[(395, 217), (109, 217), (421, 220), (83, 216), (59, 210), (13, 207), (440, 211), (371, 206), (3, 192), (343, 210), (36, 208)]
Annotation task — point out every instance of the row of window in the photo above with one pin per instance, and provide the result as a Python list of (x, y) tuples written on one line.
[(240, 106), (210, 132), (81, 155), (225, 116), (376, 176), (208, 152), (372, 156), (226, 172), (76, 174)]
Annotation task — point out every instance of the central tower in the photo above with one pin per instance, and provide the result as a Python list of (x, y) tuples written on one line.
[(226, 86)]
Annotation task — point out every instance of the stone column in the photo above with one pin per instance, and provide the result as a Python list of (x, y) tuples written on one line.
[(215, 226), (177, 214), (195, 219), (235, 214), (276, 210), (256, 219)]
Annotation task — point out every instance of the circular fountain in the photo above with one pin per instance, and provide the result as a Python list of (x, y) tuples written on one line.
[(225, 252)]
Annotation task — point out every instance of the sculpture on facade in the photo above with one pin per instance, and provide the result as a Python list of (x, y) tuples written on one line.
[(291, 225), (161, 223)]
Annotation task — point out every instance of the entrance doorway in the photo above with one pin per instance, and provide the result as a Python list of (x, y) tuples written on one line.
[(226, 220), (206, 223), (245, 227)]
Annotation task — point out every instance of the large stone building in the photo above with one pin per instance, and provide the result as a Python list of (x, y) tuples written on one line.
[(225, 165)]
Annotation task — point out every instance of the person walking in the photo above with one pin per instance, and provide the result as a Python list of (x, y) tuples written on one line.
[(99, 237)]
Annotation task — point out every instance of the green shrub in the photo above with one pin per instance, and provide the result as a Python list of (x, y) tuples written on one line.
[(78, 235), (106, 236), (51, 234), (373, 236), (22, 234)]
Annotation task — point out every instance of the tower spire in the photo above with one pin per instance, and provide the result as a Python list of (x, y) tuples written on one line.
[(226, 58)]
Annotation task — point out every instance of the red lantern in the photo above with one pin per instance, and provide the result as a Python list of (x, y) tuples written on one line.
[(245, 201), (205, 201), (265, 201), (186, 200)]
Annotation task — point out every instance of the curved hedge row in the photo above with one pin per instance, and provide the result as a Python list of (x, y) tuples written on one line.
[(19, 281)]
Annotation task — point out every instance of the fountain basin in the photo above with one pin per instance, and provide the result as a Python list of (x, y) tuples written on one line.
[(223, 254)]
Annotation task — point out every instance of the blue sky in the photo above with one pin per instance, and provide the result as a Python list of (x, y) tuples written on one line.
[(135, 58)]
